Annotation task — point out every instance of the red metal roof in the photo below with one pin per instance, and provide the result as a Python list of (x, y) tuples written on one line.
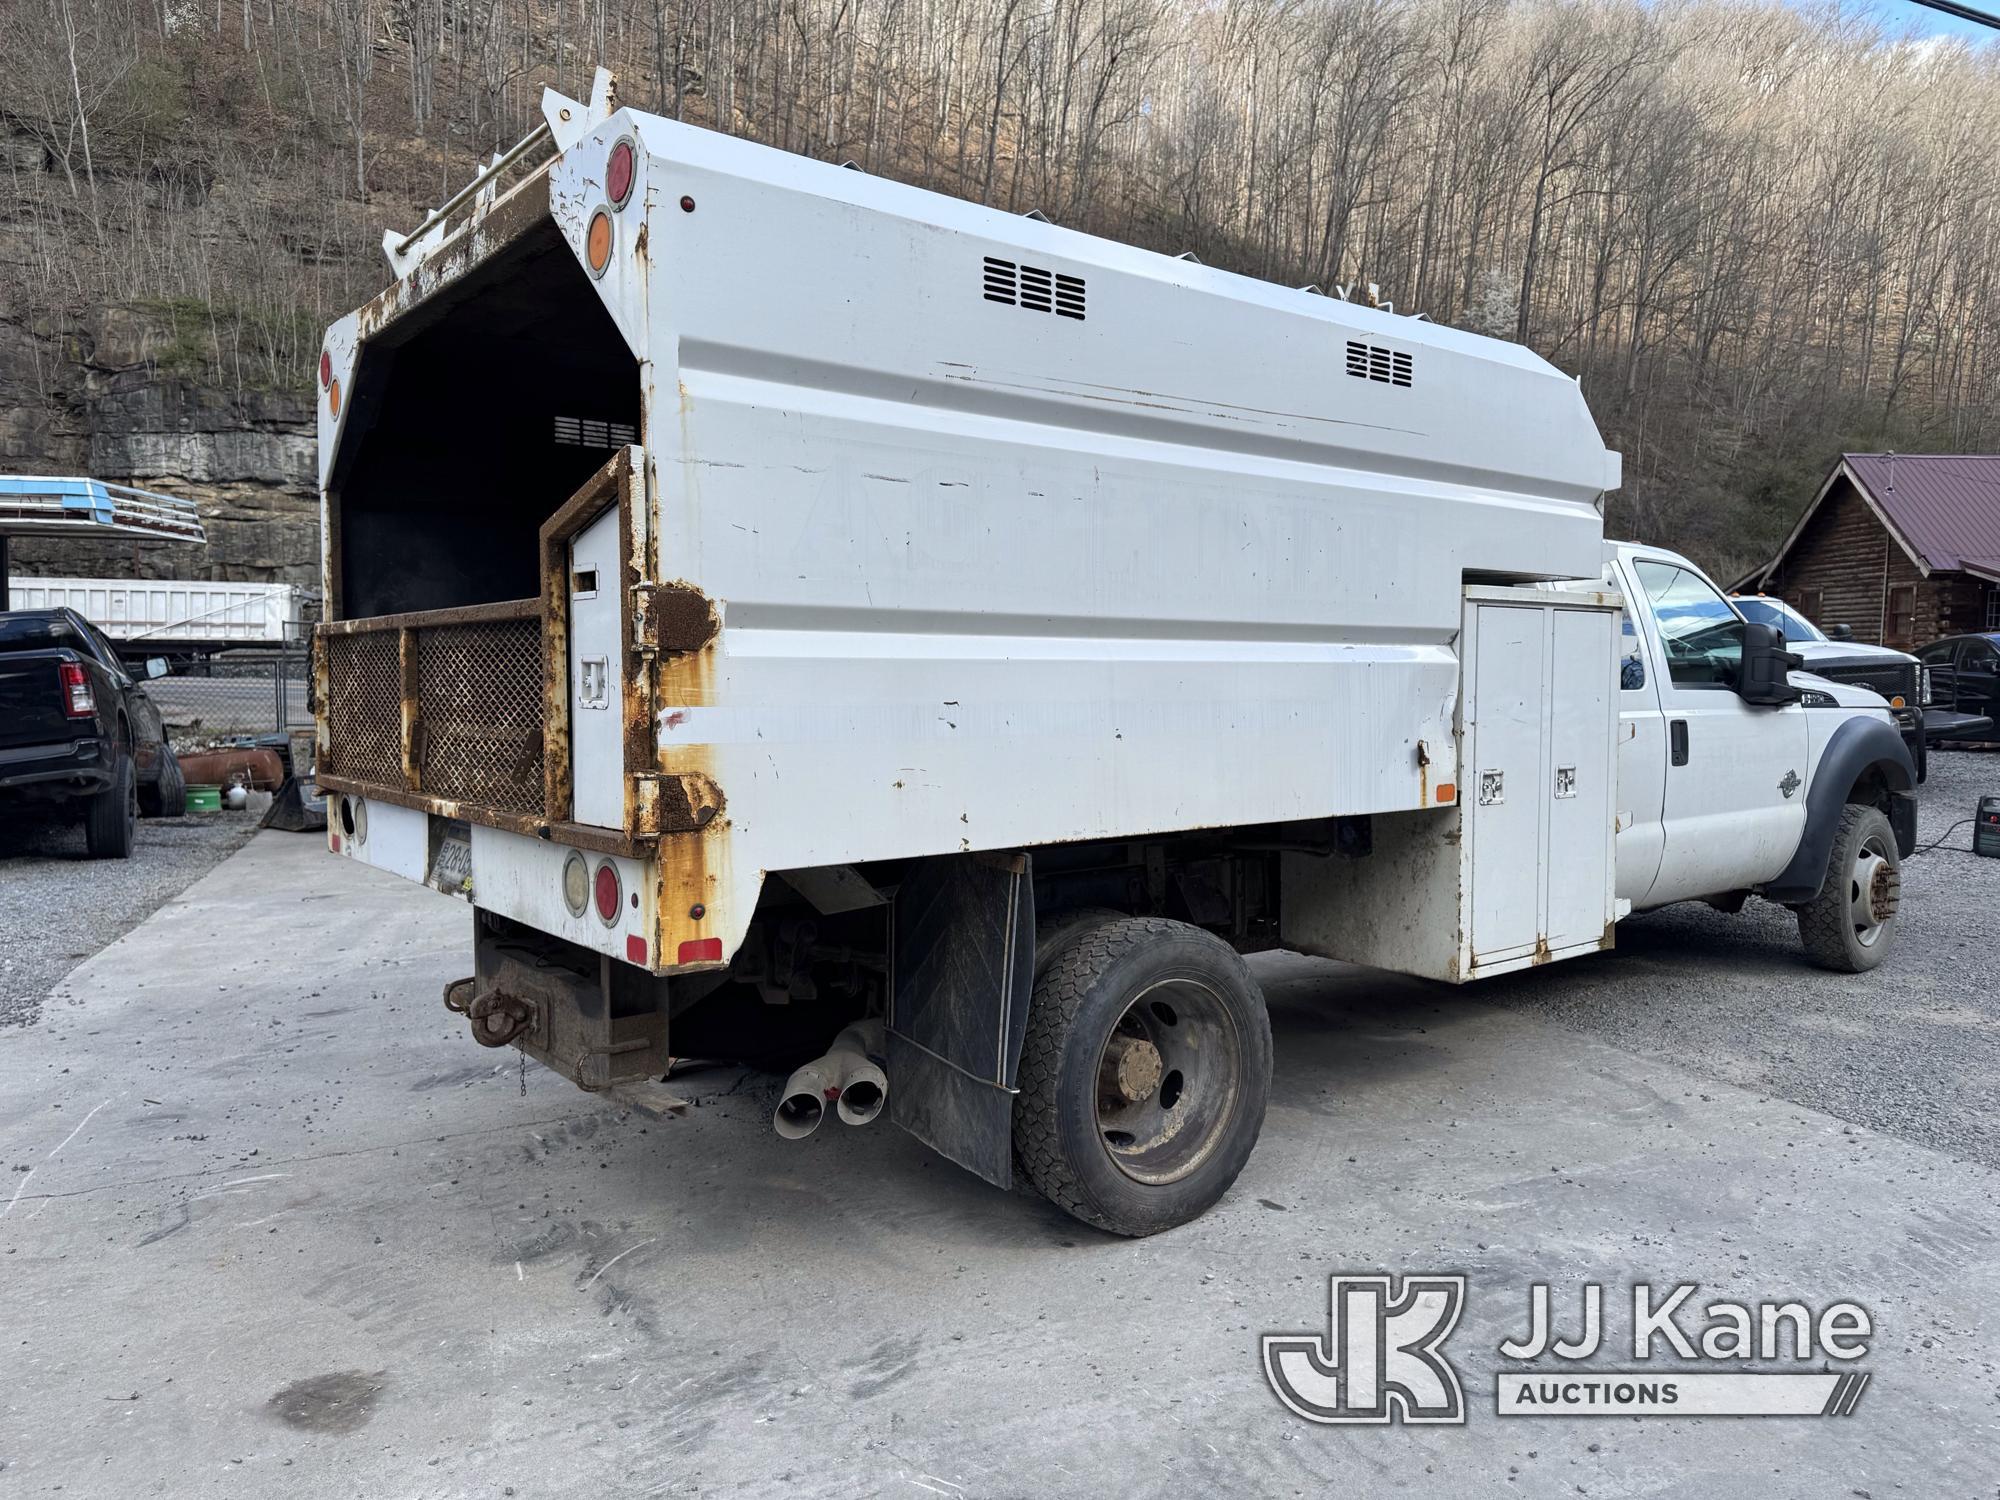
[(1946, 506)]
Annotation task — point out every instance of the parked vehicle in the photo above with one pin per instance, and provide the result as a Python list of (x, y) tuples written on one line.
[(1965, 673), (78, 731), (863, 606), (1899, 677)]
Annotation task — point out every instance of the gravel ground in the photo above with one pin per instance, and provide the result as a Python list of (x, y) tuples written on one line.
[(1911, 1049), (58, 906)]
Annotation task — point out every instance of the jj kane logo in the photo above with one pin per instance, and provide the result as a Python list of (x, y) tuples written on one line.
[(1381, 1358)]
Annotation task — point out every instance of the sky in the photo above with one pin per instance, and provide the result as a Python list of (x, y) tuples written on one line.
[(1897, 16)]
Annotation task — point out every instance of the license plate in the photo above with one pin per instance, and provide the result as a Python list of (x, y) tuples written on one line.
[(451, 865)]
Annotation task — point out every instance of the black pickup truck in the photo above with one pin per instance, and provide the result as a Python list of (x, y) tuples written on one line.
[(77, 731)]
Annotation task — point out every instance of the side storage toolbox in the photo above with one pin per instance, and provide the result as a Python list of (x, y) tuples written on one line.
[(1520, 870)]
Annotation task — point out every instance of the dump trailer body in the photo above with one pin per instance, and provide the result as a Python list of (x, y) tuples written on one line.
[(164, 612), (942, 529)]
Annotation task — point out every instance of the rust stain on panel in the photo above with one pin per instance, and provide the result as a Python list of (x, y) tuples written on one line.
[(466, 247), (681, 618)]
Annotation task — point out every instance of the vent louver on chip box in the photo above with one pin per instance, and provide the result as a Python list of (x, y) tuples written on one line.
[(1033, 288), (588, 432), (1373, 362)]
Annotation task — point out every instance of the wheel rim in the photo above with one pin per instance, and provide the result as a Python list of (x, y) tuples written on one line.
[(1167, 1080), (1874, 890)]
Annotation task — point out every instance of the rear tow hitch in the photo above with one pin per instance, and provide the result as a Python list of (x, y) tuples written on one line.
[(496, 1017)]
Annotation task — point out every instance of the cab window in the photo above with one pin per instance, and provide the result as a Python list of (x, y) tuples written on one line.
[(1938, 655), (1700, 634), (104, 650), (1796, 626)]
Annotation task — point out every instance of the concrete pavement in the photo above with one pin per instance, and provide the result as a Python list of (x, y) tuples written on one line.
[(272, 1224)]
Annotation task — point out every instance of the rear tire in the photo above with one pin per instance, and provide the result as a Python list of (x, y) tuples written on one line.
[(111, 818), (167, 796), (1850, 925), (1144, 1076)]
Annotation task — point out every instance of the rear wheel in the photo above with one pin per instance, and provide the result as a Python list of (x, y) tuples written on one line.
[(1144, 1075), (1851, 925), (111, 818)]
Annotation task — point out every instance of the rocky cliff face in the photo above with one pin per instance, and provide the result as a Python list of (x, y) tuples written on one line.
[(118, 397)]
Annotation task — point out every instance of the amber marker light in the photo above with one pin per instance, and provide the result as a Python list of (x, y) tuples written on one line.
[(597, 243)]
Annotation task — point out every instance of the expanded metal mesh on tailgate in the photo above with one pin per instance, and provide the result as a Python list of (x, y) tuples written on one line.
[(364, 708), (479, 712)]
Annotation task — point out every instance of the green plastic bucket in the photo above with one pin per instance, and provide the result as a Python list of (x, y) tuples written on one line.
[(204, 799)]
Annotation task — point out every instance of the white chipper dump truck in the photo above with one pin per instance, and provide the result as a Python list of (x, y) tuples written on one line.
[(787, 604)]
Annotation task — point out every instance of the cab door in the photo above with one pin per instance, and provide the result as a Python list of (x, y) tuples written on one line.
[(1642, 760), (1734, 798), (1978, 680)]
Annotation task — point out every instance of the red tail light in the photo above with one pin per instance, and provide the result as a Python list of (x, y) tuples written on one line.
[(608, 892), (78, 700), (618, 174)]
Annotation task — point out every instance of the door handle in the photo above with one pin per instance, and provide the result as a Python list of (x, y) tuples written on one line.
[(1677, 734)]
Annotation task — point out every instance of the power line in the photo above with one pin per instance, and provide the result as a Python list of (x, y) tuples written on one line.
[(1963, 12)]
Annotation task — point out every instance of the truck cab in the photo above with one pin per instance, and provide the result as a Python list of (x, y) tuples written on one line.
[(1724, 791)]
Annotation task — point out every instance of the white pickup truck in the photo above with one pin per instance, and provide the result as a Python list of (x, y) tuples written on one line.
[(787, 605)]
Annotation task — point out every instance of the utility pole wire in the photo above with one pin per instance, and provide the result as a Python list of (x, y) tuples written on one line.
[(1963, 12)]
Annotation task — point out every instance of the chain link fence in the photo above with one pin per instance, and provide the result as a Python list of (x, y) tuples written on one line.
[(234, 695)]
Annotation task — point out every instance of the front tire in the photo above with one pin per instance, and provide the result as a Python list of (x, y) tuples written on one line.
[(1144, 1075), (111, 817), (167, 796), (1850, 925)]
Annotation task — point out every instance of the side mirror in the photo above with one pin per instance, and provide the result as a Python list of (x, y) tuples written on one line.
[(1842, 632), (1766, 663), (156, 666)]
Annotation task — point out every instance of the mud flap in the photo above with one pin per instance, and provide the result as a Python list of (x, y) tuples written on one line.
[(962, 967), (293, 811)]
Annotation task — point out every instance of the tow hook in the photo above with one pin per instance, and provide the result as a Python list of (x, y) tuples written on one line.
[(496, 1017)]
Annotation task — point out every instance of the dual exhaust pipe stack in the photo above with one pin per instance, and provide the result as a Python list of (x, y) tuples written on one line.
[(849, 1077)]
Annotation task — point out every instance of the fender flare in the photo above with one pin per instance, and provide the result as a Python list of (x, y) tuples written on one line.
[(1857, 747)]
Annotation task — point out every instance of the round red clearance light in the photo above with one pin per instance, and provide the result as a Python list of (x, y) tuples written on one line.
[(609, 892), (597, 243), (325, 368), (619, 172)]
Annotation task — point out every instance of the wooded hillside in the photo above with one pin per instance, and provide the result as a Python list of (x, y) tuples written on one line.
[(1759, 235)]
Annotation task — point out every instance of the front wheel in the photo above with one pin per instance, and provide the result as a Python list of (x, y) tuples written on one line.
[(167, 796), (1144, 1075), (1851, 924)]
